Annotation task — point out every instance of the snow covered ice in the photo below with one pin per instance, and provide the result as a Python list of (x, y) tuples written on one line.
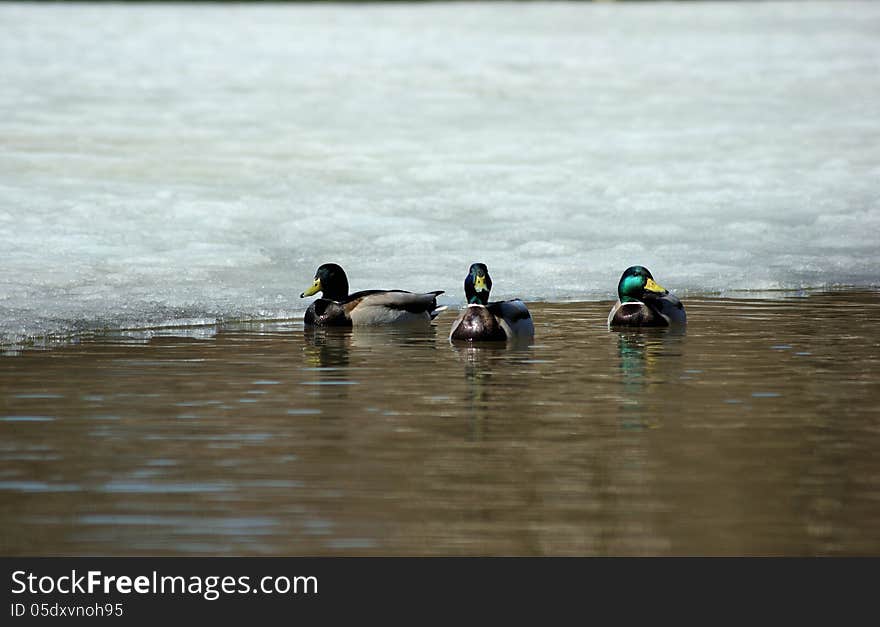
[(177, 164)]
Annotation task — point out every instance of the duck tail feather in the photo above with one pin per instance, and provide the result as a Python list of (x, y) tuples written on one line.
[(438, 311)]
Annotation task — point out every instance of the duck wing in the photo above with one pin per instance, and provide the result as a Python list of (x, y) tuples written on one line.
[(514, 317), (391, 306), (395, 299), (671, 308)]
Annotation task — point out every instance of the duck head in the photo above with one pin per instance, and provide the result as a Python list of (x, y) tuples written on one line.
[(637, 284), (478, 284), (331, 281)]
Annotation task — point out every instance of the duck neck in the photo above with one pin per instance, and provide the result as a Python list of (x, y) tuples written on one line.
[(336, 293), (473, 296), (335, 286)]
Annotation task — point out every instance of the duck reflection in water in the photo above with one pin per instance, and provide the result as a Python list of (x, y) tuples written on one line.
[(325, 366), (394, 338), (327, 347), (644, 359), (489, 366), (478, 376), (326, 353)]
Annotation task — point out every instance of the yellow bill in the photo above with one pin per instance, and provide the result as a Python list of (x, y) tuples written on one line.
[(480, 284), (651, 286), (314, 289)]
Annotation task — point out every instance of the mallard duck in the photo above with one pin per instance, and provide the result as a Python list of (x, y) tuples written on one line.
[(482, 320), (337, 307), (643, 303)]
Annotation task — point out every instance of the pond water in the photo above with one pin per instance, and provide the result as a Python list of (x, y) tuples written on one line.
[(755, 431)]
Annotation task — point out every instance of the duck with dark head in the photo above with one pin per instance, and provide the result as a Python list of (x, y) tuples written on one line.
[(337, 307), (643, 303), (485, 321)]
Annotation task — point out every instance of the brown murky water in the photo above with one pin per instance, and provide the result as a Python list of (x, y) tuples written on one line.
[(755, 432)]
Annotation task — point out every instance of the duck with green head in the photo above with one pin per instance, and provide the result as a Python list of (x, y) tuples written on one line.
[(337, 307), (643, 303), (485, 321)]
